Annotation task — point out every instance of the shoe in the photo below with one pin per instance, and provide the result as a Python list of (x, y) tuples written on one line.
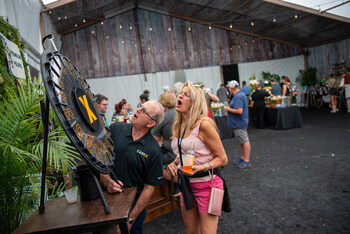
[(244, 164), (239, 161)]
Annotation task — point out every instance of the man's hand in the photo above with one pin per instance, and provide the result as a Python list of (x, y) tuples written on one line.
[(113, 187)]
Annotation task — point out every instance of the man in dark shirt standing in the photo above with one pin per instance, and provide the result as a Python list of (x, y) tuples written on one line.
[(138, 160)]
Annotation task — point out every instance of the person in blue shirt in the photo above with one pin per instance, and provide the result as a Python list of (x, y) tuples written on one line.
[(238, 118), (245, 89)]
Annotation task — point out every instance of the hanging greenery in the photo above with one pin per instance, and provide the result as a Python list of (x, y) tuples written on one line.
[(8, 81), (268, 75)]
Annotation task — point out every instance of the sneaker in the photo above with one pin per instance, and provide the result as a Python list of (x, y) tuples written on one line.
[(239, 161), (244, 164)]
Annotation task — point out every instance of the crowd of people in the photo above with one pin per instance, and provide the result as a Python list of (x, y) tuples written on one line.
[(150, 145), (149, 148)]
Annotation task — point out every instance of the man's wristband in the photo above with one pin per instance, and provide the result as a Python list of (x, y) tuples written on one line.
[(131, 221)]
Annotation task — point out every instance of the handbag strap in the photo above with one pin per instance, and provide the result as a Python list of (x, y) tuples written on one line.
[(179, 141), (211, 174)]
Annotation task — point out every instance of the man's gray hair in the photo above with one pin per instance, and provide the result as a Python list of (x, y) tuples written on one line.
[(177, 88), (158, 116)]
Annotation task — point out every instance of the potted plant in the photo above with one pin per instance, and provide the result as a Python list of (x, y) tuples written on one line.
[(306, 77)]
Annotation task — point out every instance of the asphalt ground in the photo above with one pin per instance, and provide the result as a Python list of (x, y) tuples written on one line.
[(299, 181)]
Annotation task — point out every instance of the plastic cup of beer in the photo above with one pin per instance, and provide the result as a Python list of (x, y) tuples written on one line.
[(188, 161), (71, 194)]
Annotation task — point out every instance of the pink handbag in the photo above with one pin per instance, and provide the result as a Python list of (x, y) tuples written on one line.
[(216, 196)]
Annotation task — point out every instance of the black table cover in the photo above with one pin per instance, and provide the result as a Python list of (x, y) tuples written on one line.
[(224, 131), (281, 118)]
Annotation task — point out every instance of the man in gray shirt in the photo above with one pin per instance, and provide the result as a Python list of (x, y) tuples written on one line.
[(222, 94), (276, 88)]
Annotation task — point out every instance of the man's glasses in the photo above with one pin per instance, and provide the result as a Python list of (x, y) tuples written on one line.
[(145, 111)]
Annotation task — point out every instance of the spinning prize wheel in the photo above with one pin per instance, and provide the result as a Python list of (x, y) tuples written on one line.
[(78, 112)]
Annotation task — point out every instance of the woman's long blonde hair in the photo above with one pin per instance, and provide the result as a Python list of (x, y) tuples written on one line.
[(198, 110)]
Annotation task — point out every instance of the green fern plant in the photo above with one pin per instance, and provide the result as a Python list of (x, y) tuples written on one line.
[(21, 154)]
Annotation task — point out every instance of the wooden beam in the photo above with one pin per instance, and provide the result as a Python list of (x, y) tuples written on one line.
[(329, 41), (308, 10), (203, 7), (234, 9), (86, 24), (54, 5), (285, 25), (338, 5), (231, 29)]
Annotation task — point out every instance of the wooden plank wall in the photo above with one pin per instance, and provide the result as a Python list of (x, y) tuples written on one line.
[(115, 49), (324, 56)]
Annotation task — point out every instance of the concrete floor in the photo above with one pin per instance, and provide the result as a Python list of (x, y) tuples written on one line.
[(299, 181)]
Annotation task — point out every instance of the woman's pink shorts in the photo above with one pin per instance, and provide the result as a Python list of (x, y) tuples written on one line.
[(201, 193)]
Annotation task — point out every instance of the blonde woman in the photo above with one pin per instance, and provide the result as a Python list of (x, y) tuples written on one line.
[(191, 124)]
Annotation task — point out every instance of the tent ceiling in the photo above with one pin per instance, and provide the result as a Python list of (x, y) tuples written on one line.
[(309, 28)]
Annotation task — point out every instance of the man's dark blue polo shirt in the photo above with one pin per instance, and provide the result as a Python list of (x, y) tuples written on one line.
[(136, 162)]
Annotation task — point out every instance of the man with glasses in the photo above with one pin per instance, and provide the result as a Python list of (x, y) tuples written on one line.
[(138, 159), (102, 102)]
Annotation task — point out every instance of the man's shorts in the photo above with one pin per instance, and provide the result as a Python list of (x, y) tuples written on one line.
[(241, 135)]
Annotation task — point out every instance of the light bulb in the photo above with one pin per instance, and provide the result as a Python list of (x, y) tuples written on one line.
[(252, 23), (101, 22), (121, 26), (230, 25), (84, 20), (209, 27), (296, 16), (274, 19)]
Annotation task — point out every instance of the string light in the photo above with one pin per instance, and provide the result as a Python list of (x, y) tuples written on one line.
[(230, 48), (274, 20), (245, 43), (135, 45), (189, 29), (209, 27), (76, 25), (151, 29), (169, 29), (101, 22), (92, 31), (123, 41), (50, 12), (130, 27), (239, 46), (107, 37), (65, 17), (252, 23), (253, 41), (59, 18), (121, 26), (296, 15), (230, 25), (84, 21), (173, 51)]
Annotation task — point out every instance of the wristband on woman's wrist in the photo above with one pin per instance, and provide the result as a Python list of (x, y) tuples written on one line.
[(206, 167), (176, 163)]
